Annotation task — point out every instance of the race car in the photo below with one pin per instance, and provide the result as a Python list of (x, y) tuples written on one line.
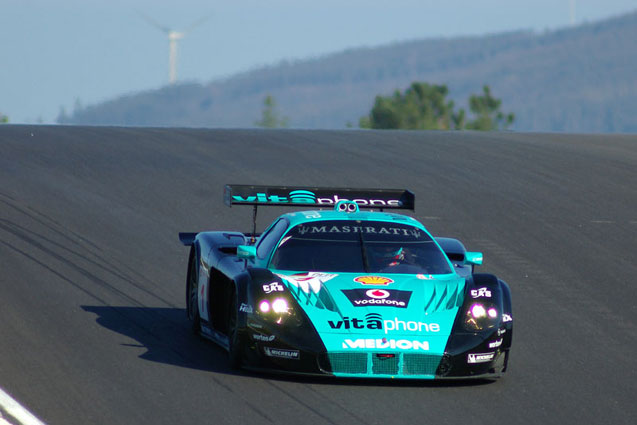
[(343, 288)]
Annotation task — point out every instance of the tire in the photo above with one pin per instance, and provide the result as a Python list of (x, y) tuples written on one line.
[(235, 353), (192, 305)]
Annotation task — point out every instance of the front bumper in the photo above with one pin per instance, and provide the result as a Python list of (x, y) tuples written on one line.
[(466, 356)]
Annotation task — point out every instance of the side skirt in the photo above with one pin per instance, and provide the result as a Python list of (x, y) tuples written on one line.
[(214, 336)]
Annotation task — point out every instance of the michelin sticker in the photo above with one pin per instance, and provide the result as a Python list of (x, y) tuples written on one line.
[(284, 354), (480, 357)]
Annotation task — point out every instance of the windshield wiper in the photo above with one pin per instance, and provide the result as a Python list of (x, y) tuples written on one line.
[(363, 252)]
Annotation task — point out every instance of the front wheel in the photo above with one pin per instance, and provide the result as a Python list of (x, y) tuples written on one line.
[(234, 343), (192, 302)]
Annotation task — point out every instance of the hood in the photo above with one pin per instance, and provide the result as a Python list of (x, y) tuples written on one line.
[(379, 312)]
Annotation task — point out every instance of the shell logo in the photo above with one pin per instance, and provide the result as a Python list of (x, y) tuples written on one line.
[(373, 280)]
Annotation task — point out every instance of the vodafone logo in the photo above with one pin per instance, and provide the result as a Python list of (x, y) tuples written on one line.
[(378, 297), (378, 294)]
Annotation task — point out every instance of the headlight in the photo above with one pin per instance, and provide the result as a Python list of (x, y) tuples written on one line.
[(264, 306), (280, 305), (480, 316), (277, 310)]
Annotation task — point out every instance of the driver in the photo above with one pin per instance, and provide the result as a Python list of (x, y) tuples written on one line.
[(387, 256)]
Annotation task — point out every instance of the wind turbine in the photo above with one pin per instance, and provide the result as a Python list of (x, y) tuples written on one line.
[(571, 9), (173, 37)]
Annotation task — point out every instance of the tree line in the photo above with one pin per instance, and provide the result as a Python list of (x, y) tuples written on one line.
[(421, 106)]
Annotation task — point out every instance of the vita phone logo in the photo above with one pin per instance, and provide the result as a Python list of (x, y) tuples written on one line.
[(375, 321), (307, 197)]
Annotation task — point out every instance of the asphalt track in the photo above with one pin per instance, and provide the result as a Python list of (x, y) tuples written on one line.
[(92, 322)]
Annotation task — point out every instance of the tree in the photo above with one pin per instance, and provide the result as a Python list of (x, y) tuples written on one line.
[(62, 118), (77, 106), (488, 116), (425, 107), (270, 116), (421, 107), (3, 118)]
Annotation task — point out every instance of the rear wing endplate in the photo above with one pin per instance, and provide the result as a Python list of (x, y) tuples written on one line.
[(322, 197)]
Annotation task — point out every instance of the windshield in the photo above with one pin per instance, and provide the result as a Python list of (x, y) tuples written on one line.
[(359, 247)]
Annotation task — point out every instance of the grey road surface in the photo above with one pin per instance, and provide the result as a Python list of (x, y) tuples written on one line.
[(92, 321)]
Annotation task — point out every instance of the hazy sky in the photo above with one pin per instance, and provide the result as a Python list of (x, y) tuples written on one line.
[(57, 51)]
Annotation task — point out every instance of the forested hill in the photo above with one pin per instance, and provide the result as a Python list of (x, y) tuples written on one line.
[(578, 79)]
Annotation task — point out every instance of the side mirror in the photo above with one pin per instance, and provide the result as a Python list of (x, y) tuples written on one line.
[(246, 252), (473, 258)]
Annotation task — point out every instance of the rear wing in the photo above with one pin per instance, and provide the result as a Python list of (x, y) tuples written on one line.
[(322, 197)]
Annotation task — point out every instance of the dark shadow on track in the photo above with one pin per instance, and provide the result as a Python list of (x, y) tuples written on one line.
[(166, 335)]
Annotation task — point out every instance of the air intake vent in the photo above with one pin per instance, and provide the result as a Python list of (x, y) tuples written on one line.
[(420, 364), (371, 364), (346, 363), (384, 365)]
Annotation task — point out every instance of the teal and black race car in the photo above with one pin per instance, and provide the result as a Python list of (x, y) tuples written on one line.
[(333, 290)]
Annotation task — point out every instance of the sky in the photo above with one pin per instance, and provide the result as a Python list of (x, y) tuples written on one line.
[(61, 53)]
